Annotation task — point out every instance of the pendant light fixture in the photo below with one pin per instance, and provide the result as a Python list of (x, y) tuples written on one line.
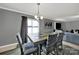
[(37, 16)]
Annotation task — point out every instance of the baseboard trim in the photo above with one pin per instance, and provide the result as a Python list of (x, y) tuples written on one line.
[(8, 47)]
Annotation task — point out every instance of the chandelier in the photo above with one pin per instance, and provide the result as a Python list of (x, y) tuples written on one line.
[(37, 16)]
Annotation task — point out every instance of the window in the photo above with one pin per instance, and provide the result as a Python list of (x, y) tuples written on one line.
[(33, 27)]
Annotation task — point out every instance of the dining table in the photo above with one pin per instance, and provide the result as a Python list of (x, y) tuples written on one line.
[(39, 40)]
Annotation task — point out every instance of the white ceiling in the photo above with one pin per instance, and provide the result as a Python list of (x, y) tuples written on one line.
[(59, 11)]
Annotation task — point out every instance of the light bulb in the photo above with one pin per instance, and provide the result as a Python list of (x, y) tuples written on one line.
[(41, 17), (36, 16)]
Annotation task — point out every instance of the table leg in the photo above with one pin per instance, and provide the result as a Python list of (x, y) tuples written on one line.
[(39, 49)]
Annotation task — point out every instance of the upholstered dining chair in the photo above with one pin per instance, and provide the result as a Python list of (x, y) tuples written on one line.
[(60, 39), (50, 44), (59, 42), (26, 48)]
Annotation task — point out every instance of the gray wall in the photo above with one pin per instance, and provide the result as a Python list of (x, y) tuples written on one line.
[(43, 29), (70, 25), (10, 23)]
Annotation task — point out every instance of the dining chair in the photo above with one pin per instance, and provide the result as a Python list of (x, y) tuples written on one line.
[(59, 42), (26, 48), (50, 44), (60, 39)]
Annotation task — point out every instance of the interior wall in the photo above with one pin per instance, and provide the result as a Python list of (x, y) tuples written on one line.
[(10, 23), (70, 25)]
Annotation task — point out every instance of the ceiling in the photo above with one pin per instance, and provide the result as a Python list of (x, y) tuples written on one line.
[(54, 11)]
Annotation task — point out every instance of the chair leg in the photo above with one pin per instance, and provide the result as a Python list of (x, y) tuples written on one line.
[(34, 53), (63, 52), (56, 50), (47, 53), (22, 53)]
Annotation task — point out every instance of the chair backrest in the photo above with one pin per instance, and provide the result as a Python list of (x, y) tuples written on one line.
[(60, 36), (51, 42), (19, 39)]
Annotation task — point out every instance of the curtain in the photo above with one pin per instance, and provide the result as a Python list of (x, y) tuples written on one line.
[(23, 32)]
